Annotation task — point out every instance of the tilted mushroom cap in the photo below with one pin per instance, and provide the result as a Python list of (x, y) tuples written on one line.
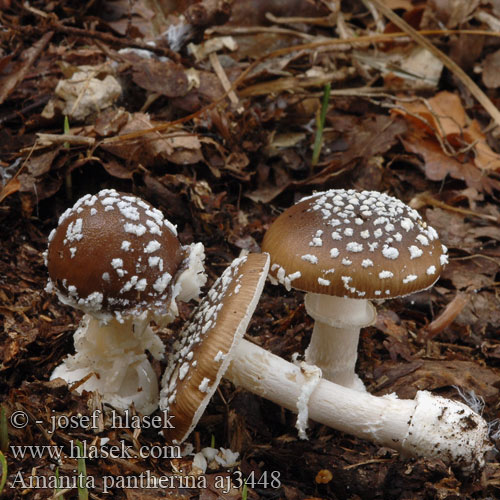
[(113, 252), (202, 353), (354, 244)]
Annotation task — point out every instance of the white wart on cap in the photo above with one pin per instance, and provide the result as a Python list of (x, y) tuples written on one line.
[(113, 252), (362, 245), (203, 351)]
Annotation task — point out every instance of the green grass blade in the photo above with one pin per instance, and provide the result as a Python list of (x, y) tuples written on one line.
[(3, 463), (66, 124), (58, 489), (83, 492), (66, 130), (4, 430)]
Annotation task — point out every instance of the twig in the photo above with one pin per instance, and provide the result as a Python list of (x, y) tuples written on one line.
[(30, 56), (224, 80), (318, 141), (250, 30), (367, 462), (292, 83), (49, 139), (447, 316), (277, 53), (488, 19), (379, 22), (327, 21), (483, 99), (426, 199), (14, 184), (478, 255), (97, 35)]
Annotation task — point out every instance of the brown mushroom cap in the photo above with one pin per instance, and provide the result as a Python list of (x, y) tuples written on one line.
[(113, 252), (364, 245), (203, 351)]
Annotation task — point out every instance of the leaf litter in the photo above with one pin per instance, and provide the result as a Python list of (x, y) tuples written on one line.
[(209, 111)]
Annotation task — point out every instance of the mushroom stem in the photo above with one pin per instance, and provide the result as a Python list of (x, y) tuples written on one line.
[(114, 354), (335, 337), (426, 426)]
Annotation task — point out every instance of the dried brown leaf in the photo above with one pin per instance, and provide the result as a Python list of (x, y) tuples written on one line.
[(207, 91), (460, 233), (111, 121), (438, 165), (135, 20), (116, 169), (362, 137), (163, 77), (485, 158), (432, 375), (178, 147), (440, 121), (452, 12), (41, 164), (212, 492), (471, 275), (11, 187), (444, 112), (17, 73), (482, 313), (236, 163), (185, 149)]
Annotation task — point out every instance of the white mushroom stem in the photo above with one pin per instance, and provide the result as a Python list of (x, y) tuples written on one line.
[(335, 337), (114, 356), (429, 426)]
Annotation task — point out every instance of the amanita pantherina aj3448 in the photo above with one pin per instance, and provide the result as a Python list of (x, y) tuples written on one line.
[(211, 343), (344, 248), (118, 259)]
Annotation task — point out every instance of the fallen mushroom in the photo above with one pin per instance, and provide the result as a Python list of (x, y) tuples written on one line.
[(118, 259), (211, 343), (427, 426), (344, 248), (202, 353)]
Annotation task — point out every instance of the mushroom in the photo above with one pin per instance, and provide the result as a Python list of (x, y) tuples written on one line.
[(343, 248), (118, 259), (202, 353), (211, 346)]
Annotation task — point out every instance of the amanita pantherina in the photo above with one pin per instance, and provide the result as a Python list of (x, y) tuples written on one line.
[(212, 342), (118, 259), (344, 248), (204, 348)]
